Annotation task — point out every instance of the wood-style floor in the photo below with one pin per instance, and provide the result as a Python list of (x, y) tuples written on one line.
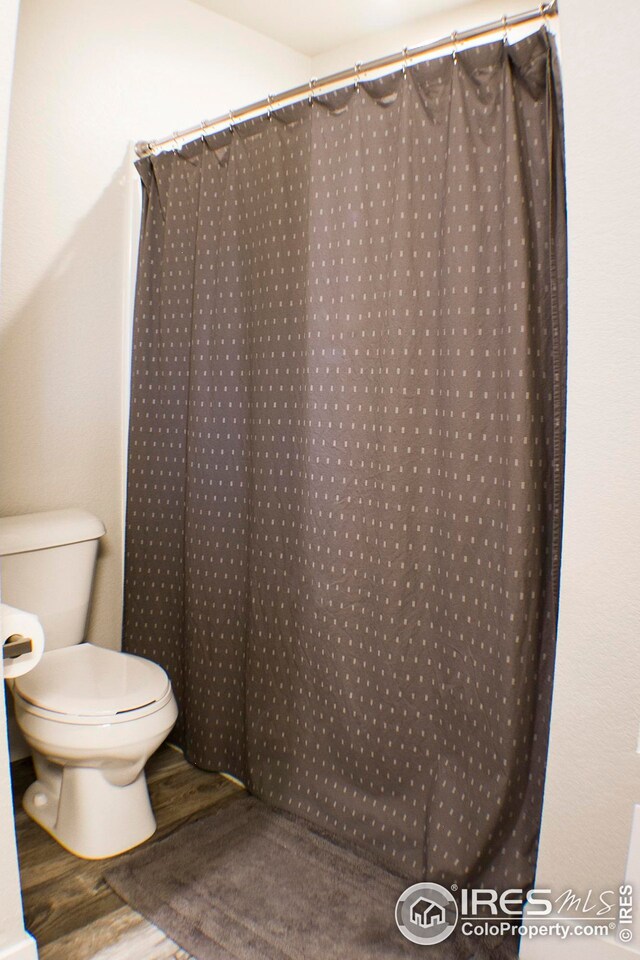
[(69, 909)]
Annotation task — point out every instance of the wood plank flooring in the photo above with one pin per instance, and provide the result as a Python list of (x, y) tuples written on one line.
[(69, 909)]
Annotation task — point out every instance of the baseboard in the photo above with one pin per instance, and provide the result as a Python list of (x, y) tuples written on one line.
[(25, 949)]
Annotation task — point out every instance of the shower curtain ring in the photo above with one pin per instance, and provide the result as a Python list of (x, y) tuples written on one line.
[(269, 107), (232, 121), (405, 55), (175, 139), (356, 70), (454, 41), (505, 39), (312, 88)]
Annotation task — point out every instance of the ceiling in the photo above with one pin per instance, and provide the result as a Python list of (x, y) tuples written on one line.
[(315, 28)]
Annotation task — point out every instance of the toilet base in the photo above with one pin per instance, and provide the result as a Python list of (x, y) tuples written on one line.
[(89, 816)]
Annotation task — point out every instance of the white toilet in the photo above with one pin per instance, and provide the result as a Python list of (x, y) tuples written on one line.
[(92, 717)]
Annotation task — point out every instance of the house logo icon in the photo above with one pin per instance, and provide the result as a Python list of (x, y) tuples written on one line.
[(426, 913)]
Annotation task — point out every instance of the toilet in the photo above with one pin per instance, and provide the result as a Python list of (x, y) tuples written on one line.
[(92, 717)]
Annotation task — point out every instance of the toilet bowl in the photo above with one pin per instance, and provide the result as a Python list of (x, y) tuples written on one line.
[(92, 717)]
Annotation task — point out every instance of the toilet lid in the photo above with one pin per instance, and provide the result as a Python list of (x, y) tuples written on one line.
[(90, 681)]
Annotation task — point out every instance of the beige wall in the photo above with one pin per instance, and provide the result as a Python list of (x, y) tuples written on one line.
[(14, 942), (90, 78), (593, 777), (458, 17)]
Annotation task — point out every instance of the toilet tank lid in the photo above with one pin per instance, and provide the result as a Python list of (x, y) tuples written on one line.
[(55, 528)]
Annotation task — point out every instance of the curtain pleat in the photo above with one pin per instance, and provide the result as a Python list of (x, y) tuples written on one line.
[(345, 456)]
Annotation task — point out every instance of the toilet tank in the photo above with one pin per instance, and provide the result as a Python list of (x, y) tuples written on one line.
[(47, 561)]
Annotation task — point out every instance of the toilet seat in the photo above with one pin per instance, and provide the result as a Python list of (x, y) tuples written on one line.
[(85, 684)]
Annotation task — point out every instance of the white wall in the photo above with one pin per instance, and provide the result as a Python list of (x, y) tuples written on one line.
[(593, 777), (91, 77), (441, 24), (14, 942)]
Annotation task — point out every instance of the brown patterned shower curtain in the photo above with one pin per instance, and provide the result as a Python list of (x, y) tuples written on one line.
[(345, 459)]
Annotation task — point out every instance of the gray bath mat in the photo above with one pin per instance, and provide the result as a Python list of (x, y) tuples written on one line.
[(249, 883)]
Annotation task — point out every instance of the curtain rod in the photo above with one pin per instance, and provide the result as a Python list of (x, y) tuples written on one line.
[(358, 72)]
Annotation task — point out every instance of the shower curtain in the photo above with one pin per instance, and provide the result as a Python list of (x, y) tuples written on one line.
[(345, 458)]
